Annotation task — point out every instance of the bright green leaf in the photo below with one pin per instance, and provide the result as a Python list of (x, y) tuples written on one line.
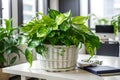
[(7, 24), (83, 28), (54, 27), (42, 32), (90, 49), (26, 28), (28, 55), (59, 19), (53, 13), (47, 20), (64, 26), (79, 19), (68, 14), (33, 44)]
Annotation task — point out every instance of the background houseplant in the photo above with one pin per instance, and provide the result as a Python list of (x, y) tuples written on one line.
[(9, 42), (99, 21), (116, 23), (58, 29), (105, 21)]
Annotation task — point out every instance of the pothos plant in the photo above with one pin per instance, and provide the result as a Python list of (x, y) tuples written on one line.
[(8, 44), (58, 29)]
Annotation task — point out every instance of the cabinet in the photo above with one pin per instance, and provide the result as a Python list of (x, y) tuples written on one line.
[(108, 48)]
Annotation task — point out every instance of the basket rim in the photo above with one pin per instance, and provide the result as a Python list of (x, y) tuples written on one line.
[(71, 46)]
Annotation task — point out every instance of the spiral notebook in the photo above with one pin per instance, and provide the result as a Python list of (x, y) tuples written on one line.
[(103, 70)]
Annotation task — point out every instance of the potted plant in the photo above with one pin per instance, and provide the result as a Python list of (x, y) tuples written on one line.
[(104, 22), (9, 50), (56, 37), (99, 21), (116, 23)]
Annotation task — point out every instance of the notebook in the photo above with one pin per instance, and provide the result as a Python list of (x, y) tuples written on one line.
[(103, 70)]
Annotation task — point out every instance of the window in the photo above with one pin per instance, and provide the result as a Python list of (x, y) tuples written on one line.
[(30, 9), (27, 17), (27, 7), (104, 9), (4, 10), (101, 8), (117, 6)]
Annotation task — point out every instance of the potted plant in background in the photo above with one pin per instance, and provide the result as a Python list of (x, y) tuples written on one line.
[(104, 21), (55, 37), (116, 23), (104, 28), (99, 21), (9, 50)]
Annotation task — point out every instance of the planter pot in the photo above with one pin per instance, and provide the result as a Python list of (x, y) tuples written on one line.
[(58, 58), (3, 76)]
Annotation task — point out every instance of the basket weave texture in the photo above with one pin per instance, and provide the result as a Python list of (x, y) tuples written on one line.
[(58, 58)]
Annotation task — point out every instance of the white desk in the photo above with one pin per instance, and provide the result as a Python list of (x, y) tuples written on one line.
[(109, 61), (35, 71)]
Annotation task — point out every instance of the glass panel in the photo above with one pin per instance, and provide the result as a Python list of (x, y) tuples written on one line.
[(6, 8), (29, 10), (27, 7), (104, 9), (27, 17)]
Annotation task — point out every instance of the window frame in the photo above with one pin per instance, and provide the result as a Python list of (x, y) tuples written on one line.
[(37, 8), (20, 10), (0, 11)]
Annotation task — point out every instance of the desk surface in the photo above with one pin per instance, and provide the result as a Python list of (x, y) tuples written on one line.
[(35, 71), (108, 61)]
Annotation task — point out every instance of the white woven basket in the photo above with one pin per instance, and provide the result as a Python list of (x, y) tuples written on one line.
[(58, 58)]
